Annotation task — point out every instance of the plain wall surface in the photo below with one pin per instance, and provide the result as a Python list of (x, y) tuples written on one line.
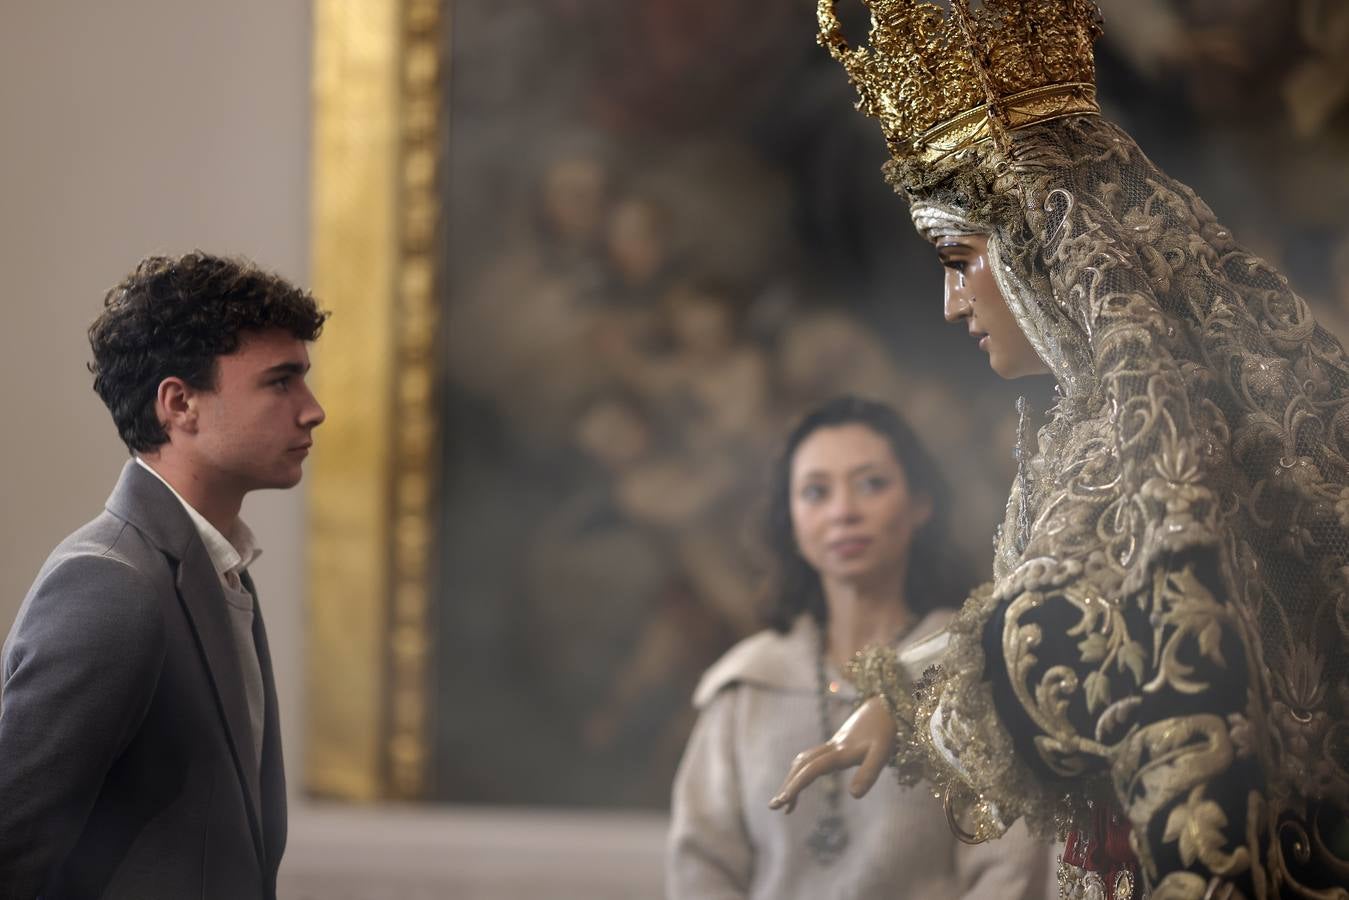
[(132, 128)]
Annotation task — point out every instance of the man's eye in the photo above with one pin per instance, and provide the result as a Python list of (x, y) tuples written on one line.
[(281, 383)]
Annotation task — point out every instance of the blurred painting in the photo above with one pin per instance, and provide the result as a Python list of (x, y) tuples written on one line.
[(667, 237)]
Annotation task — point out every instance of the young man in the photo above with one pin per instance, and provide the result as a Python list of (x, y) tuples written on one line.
[(140, 755)]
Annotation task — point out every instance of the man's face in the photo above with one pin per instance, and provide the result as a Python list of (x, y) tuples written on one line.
[(254, 430)]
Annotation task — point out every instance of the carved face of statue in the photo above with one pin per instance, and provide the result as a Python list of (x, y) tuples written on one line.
[(853, 515), (974, 299)]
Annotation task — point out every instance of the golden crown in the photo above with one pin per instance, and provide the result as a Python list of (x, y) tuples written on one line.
[(939, 83)]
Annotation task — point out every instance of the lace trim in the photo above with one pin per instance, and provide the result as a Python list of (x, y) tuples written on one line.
[(949, 734)]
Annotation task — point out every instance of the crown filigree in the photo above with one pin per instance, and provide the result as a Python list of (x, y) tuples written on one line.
[(939, 83)]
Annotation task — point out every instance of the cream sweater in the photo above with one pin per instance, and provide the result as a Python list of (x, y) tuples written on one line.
[(758, 708)]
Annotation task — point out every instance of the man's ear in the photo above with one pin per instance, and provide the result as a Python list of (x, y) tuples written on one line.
[(176, 405)]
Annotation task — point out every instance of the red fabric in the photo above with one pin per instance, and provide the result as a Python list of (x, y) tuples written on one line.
[(1104, 849)]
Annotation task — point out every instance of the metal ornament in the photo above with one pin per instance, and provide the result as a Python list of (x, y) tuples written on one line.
[(829, 838)]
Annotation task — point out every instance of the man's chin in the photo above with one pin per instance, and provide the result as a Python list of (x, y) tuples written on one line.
[(280, 481)]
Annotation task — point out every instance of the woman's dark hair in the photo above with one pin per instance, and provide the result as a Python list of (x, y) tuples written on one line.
[(174, 317), (937, 576)]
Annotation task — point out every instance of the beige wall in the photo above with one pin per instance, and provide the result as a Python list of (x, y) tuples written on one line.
[(129, 128)]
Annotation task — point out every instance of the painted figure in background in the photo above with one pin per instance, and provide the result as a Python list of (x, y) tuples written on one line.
[(857, 528), (140, 744), (630, 326), (1157, 669)]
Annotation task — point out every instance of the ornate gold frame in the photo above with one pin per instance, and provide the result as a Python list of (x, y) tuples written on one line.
[(378, 92)]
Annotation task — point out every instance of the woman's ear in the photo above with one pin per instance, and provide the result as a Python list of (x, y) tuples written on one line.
[(923, 509)]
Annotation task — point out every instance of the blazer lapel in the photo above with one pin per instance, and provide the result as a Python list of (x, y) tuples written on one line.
[(204, 601), (273, 767), (143, 501)]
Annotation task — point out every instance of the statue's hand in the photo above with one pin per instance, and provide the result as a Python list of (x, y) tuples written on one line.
[(866, 739)]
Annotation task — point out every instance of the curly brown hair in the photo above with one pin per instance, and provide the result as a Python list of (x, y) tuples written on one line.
[(174, 317)]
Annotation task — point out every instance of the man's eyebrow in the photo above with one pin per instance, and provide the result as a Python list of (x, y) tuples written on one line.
[(287, 368)]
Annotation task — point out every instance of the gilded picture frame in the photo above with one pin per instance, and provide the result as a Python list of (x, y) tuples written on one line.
[(377, 92)]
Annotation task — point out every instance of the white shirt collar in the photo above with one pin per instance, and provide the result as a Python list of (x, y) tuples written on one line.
[(228, 555)]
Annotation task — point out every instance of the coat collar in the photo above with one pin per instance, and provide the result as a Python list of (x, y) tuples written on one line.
[(144, 501), (232, 553)]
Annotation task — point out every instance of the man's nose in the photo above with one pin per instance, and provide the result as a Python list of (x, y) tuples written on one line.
[(313, 414)]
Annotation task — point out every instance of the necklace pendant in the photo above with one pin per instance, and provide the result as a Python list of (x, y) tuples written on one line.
[(828, 840)]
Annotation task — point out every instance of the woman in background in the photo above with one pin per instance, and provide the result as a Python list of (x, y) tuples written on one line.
[(855, 498)]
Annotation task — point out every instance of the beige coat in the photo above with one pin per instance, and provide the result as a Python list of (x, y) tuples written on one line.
[(758, 707)]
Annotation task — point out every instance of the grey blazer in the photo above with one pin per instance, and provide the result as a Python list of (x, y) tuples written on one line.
[(124, 726)]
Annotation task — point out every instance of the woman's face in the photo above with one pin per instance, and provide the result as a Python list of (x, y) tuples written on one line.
[(852, 513), (973, 297)]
